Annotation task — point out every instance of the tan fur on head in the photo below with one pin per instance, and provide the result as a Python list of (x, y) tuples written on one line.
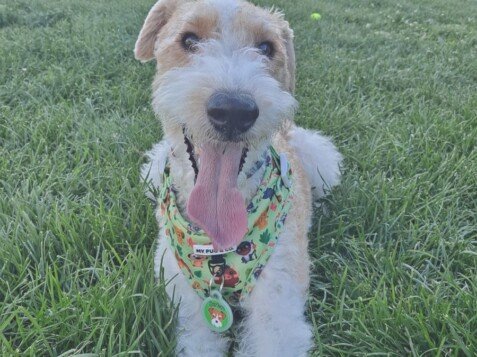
[(155, 20), (169, 18), (227, 57)]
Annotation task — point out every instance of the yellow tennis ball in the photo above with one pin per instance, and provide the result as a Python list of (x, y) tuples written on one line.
[(315, 16)]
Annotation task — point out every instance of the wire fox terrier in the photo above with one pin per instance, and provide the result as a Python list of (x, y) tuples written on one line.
[(236, 178)]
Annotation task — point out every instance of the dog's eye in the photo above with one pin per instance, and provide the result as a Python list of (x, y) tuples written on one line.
[(266, 48), (190, 41)]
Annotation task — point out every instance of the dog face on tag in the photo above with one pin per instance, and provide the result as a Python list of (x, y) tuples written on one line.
[(216, 317)]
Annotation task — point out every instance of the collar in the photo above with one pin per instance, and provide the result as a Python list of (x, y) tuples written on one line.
[(193, 158), (237, 268)]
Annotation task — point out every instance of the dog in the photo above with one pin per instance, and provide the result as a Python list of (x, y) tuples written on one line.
[(247, 251), (223, 90), (216, 317)]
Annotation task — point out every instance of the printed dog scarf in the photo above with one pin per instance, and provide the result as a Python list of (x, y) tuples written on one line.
[(238, 268)]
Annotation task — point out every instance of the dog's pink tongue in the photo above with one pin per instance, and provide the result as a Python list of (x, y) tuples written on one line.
[(215, 203)]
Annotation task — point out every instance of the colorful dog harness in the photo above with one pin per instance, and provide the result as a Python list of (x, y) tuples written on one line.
[(236, 269)]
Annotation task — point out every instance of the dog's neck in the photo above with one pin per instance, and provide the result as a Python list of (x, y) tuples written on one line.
[(183, 173)]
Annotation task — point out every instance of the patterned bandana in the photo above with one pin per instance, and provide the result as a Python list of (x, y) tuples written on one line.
[(238, 268)]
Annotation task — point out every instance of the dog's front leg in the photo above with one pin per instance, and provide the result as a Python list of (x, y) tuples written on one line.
[(275, 324), (194, 338)]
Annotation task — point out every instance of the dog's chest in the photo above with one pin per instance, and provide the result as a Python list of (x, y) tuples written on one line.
[(237, 269)]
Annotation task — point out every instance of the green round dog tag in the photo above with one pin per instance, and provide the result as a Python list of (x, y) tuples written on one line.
[(217, 313)]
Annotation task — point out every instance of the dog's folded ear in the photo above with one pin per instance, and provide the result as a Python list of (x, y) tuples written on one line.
[(286, 34), (157, 17), (291, 66)]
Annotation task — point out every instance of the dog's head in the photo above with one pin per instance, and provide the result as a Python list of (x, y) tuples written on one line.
[(225, 69), (216, 317), (245, 248)]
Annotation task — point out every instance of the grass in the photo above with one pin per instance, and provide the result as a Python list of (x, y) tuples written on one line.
[(395, 262)]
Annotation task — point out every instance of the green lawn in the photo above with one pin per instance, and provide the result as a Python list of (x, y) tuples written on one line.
[(395, 262)]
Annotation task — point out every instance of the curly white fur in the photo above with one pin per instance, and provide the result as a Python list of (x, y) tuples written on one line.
[(151, 171), (319, 158), (222, 67)]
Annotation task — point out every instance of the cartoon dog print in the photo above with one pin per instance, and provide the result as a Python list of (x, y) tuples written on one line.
[(217, 317), (247, 251), (197, 260)]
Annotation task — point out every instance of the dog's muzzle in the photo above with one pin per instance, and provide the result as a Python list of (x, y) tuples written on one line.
[(232, 113)]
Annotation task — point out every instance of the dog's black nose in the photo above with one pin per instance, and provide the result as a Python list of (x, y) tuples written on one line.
[(232, 113)]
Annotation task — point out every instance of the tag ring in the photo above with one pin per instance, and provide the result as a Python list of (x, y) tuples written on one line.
[(212, 280)]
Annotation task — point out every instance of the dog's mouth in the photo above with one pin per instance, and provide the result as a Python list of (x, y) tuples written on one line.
[(215, 203), (193, 156)]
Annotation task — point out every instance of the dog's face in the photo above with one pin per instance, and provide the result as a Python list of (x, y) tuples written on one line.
[(216, 317), (225, 69), (245, 248)]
